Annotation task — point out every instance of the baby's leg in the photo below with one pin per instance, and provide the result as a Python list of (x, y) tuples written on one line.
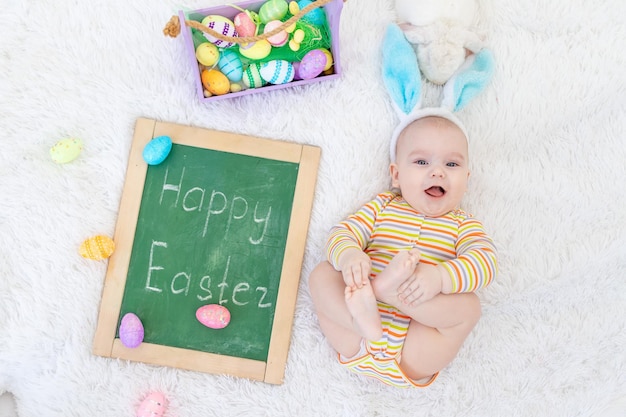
[(336, 320), (436, 334), (363, 307), (400, 268)]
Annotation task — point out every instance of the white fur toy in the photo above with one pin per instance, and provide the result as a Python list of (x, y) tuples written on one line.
[(443, 32)]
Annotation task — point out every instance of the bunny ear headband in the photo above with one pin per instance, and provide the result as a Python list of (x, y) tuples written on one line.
[(403, 81)]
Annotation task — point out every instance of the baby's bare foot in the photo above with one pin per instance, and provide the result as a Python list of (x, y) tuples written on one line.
[(386, 284), (362, 305)]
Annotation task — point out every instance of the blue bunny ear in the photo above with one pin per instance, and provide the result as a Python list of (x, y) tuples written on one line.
[(469, 80), (401, 74)]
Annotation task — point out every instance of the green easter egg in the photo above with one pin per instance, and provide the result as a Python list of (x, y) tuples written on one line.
[(273, 10), (66, 150)]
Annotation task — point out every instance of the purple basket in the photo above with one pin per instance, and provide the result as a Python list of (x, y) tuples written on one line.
[(333, 13)]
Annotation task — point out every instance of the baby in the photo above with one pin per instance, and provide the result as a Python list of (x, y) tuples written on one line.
[(396, 297)]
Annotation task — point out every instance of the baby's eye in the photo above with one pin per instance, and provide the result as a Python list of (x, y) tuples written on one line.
[(452, 164), (421, 162)]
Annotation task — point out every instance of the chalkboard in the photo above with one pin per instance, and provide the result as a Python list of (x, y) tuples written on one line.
[(223, 220)]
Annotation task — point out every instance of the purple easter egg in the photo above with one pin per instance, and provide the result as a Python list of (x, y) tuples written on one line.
[(312, 64), (131, 331)]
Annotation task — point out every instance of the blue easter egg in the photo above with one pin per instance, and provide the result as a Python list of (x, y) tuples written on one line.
[(315, 16), (157, 150), (277, 72), (230, 65)]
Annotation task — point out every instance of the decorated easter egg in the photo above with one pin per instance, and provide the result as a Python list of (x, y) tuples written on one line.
[(278, 39), (277, 72), (312, 64), (97, 248), (215, 82), (207, 54), (329, 58), (154, 405), (131, 330), (230, 65), (252, 76), (244, 25), (315, 17), (273, 10), (226, 28), (215, 18), (213, 316), (157, 150), (66, 150), (258, 50)]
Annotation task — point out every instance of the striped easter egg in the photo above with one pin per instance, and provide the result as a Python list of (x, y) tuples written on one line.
[(97, 248), (277, 72), (273, 10), (225, 28), (230, 65), (252, 76)]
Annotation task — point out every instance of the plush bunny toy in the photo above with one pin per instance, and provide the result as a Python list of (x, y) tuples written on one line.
[(442, 31)]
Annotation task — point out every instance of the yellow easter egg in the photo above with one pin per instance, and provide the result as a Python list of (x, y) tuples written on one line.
[(258, 50), (235, 88), (298, 35), (97, 247), (329, 59), (215, 82), (66, 150), (207, 54), (294, 8), (293, 45)]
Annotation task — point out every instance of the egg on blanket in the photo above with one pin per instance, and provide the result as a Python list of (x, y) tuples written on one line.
[(252, 76), (230, 65), (213, 316), (131, 331), (97, 248), (277, 72), (225, 27), (66, 150), (157, 150), (154, 405), (312, 64)]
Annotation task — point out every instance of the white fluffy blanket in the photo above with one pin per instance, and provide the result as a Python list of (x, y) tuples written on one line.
[(548, 181)]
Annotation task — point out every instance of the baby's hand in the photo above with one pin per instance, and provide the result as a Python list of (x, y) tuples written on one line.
[(355, 267), (421, 286)]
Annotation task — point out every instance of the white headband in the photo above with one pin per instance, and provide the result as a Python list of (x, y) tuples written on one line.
[(420, 114)]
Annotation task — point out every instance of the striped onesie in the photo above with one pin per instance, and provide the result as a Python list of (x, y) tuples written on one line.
[(387, 225)]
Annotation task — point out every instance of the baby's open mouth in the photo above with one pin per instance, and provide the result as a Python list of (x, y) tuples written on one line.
[(435, 191)]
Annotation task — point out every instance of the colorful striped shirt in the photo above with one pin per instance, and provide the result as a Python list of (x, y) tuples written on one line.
[(388, 224)]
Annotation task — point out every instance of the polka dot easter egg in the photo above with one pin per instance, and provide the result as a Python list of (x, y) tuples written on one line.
[(215, 82), (97, 248), (252, 76), (226, 28), (131, 331), (66, 150), (277, 71), (230, 65), (157, 150), (312, 64), (213, 316), (154, 405)]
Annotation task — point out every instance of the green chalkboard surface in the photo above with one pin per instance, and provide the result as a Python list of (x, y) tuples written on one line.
[(223, 220), (212, 229)]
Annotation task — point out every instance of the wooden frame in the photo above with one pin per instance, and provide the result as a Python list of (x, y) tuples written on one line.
[(272, 371)]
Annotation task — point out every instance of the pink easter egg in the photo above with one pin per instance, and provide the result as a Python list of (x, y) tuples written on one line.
[(213, 316), (244, 25), (154, 405), (131, 331), (312, 64), (278, 39)]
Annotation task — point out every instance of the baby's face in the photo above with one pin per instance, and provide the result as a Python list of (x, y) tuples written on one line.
[(431, 168)]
